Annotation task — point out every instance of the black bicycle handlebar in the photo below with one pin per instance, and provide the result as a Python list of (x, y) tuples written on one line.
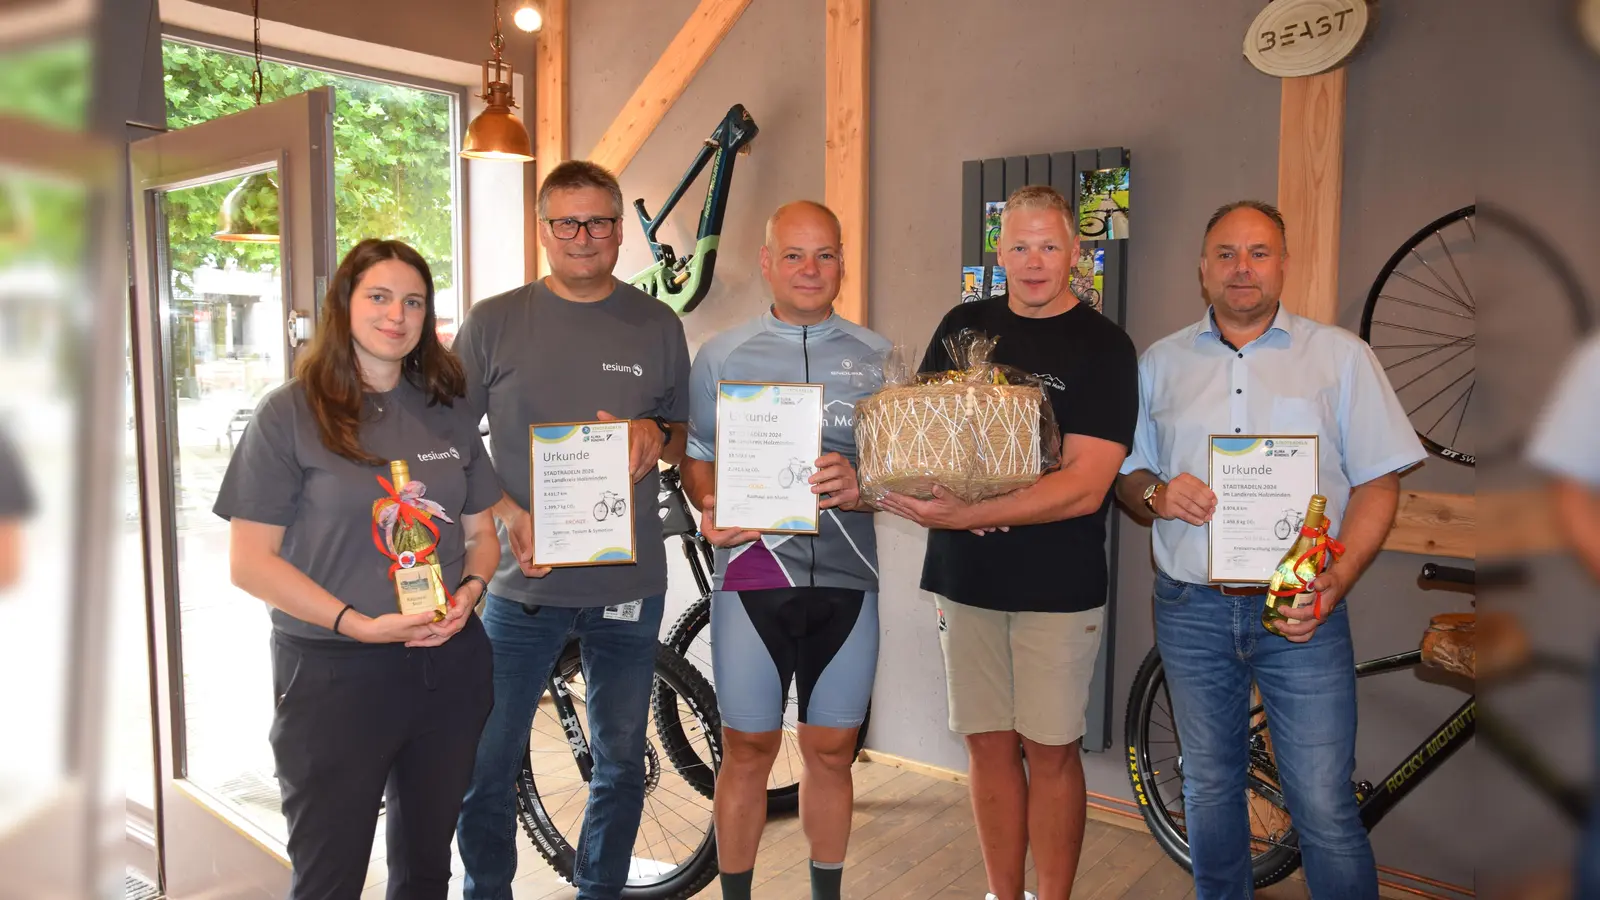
[(1448, 574)]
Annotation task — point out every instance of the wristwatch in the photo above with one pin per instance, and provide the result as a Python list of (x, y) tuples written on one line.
[(664, 425), (1150, 494)]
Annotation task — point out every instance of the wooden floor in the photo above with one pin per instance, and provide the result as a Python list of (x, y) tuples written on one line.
[(912, 838)]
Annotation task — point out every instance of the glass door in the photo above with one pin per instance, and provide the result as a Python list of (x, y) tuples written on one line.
[(222, 302)]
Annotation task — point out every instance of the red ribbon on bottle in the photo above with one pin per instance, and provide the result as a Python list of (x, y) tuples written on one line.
[(1322, 547), (408, 515)]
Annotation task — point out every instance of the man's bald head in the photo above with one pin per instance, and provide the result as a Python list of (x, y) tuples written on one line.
[(802, 210), (801, 262)]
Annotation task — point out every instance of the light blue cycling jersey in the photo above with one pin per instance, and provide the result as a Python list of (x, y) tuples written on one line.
[(847, 360)]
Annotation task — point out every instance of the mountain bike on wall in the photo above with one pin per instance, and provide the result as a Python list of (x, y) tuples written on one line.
[(682, 282)]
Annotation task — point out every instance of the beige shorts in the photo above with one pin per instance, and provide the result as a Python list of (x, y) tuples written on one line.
[(1027, 672)]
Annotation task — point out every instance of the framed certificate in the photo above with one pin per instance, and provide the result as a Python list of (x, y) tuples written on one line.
[(768, 439), (1263, 483), (581, 496)]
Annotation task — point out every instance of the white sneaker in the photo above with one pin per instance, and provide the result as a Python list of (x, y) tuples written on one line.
[(1026, 895)]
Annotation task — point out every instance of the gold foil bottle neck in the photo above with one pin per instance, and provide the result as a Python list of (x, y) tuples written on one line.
[(399, 472)]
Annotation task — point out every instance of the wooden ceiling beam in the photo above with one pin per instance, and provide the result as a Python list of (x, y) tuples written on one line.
[(707, 26), (845, 165), (551, 110), (1310, 190)]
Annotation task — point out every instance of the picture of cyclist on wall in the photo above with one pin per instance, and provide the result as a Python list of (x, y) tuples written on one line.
[(1089, 276), (1103, 207)]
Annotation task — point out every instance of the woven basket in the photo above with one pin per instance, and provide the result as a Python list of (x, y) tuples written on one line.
[(976, 440)]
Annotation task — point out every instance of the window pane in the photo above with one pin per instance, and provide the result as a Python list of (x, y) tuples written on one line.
[(393, 157)]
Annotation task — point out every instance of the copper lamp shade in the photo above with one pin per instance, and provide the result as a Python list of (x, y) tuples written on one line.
[(250, 212), (497, 133)]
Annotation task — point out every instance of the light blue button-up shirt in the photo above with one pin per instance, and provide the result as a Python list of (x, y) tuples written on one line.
[(1566, 441), (1299, 377)]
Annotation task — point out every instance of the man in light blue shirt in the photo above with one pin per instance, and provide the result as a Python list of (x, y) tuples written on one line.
[(1566, 444), (1251, 367)]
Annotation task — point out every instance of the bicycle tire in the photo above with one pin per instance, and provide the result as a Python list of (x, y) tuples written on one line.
[(1084, 230), (1376, 294), (781, 798), (1273, 865), (676, 674)]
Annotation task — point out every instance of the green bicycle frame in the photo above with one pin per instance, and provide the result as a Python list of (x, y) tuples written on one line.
[(682, 283)]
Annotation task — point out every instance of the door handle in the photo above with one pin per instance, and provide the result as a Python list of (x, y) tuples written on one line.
[(299, 328)]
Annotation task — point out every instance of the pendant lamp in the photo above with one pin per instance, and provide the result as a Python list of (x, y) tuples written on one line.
[(249, 213), (497, 133)]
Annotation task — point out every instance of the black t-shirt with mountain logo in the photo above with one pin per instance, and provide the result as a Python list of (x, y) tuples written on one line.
[(1091, 374)]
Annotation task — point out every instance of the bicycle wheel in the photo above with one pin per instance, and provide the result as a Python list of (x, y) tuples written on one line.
[(1280, 530), (785, 478), (674, 852), (1155, 768), (1092, 225), (691, 637), (600, 511), (1420, 320)]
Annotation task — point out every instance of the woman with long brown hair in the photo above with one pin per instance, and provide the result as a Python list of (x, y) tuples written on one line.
[(361, 488)]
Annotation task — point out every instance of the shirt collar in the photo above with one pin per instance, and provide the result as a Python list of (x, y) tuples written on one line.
[(776, 325), (1280, 333)]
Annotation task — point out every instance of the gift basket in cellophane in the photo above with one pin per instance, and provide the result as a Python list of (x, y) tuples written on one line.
[(978, 430)]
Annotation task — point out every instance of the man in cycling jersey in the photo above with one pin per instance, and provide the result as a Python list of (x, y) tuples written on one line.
[(791, 606)]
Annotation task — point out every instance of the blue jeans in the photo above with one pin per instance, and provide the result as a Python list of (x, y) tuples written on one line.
[(618, 666), (1212, 646)]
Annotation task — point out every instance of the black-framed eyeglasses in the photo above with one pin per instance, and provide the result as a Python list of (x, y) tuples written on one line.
[(599, 227)]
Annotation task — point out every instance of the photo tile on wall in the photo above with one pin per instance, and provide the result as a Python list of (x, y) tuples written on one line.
[(997, 281), (1088, 280), (971, 283), (1103, 209), (991, 224)]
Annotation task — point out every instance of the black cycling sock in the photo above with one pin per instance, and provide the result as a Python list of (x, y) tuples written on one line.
[(825, 879), (736, 885)]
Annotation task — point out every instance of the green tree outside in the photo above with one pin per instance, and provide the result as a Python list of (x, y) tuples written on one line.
[(392, 159)]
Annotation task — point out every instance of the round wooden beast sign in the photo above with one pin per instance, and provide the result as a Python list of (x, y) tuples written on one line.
[(1291, 38)]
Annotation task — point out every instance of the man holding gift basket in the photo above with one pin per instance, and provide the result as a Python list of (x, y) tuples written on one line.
[(1020, 576), (1250, 367)]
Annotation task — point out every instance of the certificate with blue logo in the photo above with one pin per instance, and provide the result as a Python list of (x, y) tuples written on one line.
[(769, 437), (1263, 483), (581, 496)]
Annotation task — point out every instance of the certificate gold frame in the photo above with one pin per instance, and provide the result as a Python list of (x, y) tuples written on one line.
[(816, 498), (1316, 463), (533, 493)]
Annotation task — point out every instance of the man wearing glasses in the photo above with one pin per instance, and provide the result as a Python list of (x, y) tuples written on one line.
[(574, 346)]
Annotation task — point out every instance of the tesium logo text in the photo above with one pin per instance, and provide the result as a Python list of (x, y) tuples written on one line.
[(623, 368), (434, 455)]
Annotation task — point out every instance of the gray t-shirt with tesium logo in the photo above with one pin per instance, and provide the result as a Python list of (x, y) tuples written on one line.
[(531, 358), (282, 474)]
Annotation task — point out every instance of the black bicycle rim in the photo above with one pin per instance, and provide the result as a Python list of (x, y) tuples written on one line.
[(1149, 773), (781, 798), (1375, 294), (698, 868)]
